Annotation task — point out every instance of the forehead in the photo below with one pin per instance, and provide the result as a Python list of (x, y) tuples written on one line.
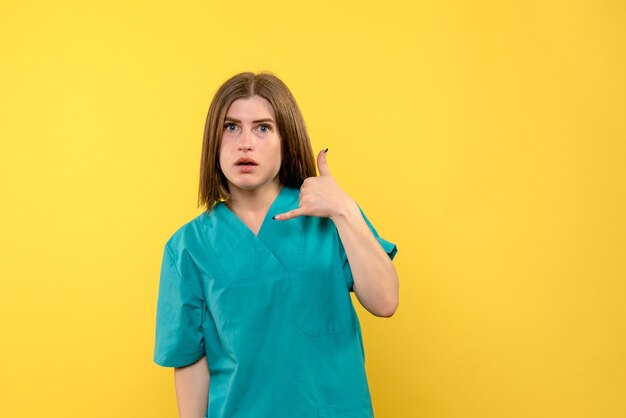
[(250, 108)]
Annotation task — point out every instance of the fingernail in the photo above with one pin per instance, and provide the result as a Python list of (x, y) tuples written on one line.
[(326, 150), (274, 217)]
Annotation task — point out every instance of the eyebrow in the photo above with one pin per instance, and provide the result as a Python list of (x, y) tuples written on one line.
[(254, 121)]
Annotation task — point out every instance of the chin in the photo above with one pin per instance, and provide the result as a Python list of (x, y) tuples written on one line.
[(251, 184)]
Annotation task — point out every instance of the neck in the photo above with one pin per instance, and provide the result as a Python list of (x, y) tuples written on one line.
[(253, 200)]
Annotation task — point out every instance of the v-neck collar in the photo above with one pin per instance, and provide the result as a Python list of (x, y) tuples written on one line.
[(271, 211), (275, 248)]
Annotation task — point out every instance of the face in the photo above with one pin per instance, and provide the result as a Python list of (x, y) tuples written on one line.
[(250, 153)]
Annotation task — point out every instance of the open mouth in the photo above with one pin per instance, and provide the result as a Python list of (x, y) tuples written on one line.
[(245, 162)]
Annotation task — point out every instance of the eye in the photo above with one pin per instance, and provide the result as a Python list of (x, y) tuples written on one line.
[(230, 127), (265, 128)]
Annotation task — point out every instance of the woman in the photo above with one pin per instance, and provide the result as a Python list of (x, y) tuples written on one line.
[(254, 310)]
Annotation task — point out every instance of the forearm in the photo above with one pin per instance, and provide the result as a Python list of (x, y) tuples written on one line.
[(376, 283), (192, 389)]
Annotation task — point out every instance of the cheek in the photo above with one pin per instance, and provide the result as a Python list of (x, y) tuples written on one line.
[(222, 152), (278, 154)]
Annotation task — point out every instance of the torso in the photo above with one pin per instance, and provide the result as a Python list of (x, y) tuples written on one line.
[(278, 315)]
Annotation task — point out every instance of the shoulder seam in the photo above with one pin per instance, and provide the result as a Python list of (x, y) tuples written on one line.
[(169, 252)]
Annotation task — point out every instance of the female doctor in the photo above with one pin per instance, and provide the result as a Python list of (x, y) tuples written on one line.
[(254, 311)]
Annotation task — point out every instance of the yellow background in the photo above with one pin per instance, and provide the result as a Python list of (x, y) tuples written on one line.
[(486, 138)]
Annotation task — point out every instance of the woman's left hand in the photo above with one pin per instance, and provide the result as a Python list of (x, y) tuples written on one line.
[(320, 196)]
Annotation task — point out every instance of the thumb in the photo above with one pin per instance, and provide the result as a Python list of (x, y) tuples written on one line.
[(322, 165)]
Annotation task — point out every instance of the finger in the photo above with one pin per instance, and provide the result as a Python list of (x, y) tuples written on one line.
[(289, 215), (322, 165)]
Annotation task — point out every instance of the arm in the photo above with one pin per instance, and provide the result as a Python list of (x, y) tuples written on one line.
[(376, 283), (192, 388), (375, 278)]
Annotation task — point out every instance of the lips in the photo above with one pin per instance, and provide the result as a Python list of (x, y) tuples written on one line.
[(245, 162)]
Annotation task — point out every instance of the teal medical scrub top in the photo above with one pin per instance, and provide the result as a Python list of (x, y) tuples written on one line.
[(272, 313)]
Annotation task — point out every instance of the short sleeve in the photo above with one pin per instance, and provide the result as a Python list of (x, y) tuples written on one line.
[(179, 337), (390, 248)]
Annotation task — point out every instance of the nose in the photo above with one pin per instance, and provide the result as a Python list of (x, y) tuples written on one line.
[(245, 141)]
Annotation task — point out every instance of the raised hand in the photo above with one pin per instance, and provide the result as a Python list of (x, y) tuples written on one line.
[(320, 196)]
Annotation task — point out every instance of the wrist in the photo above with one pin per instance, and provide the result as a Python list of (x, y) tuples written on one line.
[(348, 209)]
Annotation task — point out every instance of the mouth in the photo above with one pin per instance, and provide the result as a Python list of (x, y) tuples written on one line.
[(242, 162)]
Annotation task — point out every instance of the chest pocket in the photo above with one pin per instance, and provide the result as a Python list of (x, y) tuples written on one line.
[(323, 305)]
